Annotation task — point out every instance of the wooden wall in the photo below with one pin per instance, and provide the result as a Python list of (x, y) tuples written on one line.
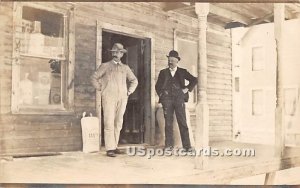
[(219, 83), (31, 133)]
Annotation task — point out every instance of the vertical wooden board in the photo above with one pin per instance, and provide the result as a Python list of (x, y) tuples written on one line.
[(98, 63), (71, 64)]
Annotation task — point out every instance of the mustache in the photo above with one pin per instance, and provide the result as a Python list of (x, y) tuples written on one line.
[(115, 56)]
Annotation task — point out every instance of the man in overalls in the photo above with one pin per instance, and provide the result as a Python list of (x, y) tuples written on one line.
[(111, 80)]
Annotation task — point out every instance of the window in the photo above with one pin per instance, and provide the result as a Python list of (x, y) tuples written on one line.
[(257, 102), (257, 58), (42, 67), (188, 52)]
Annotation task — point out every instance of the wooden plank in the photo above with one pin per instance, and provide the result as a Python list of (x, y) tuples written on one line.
[(219, 38), (39, 142), (39, 127), (219, 107), (270, 178), (213, 19), (33, 134), (65, 148), (17, 15), (242, 8), (218, 54), (221, 112), (220, 122), (71, 63), (214, 9), (220, 81), (223, 133), (216, 76), (220, 102), (262, 19), (220, 138), (219, 48), (172, 6), (242, 169), (98, 63), (220, 128)]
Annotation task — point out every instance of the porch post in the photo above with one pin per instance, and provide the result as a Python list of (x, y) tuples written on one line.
[(279, 125), (202, 110)]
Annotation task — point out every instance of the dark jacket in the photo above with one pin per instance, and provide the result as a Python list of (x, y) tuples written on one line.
[(181, 74)]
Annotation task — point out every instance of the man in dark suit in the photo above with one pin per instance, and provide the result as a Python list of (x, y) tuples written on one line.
[(173, 93)]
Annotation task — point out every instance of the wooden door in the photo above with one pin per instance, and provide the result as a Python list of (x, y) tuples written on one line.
[(254, 81)]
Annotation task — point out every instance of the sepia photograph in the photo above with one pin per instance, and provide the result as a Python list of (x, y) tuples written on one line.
[(144, 93)]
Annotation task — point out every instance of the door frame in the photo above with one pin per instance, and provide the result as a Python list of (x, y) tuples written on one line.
[(126, 31)]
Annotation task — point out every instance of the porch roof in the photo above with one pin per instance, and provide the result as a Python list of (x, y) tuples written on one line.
[(233, 14)]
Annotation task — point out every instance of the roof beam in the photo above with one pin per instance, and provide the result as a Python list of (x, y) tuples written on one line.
[(174, 6), (260, 20), (229, 15), (293, 6)]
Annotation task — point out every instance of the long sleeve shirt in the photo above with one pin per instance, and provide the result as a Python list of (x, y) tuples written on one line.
[(111, 80)]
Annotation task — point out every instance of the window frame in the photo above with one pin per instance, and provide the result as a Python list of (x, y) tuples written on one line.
[(262, 105), (67, 88), (192, 98), (262, 61)]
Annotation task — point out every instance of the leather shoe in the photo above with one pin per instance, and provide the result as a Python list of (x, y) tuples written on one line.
[(110, 153), (189, 149), (117, 151), (170, 148)]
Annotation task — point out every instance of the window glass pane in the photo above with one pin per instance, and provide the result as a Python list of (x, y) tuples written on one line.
[(189, 55), (40, 82), (42, 53), (257, 102), (42, 33), (257, 58)]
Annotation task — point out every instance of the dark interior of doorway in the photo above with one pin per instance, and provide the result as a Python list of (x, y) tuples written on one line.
[(134, 121)]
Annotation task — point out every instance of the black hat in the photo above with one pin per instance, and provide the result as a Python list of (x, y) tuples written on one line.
[(174, 53)]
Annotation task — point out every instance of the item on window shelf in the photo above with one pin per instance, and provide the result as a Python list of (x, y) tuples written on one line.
[(55, 92), (27, 26), (25, 42), (26, 95), (36, 44), (43, 88), (36, 27), (53, 41)]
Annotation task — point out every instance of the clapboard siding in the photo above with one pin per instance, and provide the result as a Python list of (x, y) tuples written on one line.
[(85, 58), (219, 84)]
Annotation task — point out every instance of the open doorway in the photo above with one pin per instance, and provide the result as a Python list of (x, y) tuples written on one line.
[(138, 107)]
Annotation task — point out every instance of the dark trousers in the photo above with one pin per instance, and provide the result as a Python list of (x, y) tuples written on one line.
[(169, 106)]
